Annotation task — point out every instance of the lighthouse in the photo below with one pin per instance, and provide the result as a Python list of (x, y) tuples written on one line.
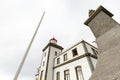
[(50, 51), (76, 63)]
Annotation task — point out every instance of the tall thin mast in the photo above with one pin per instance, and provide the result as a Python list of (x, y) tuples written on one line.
[(27, 50)]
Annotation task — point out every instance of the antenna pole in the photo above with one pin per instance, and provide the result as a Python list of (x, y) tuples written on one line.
[(27, 50)]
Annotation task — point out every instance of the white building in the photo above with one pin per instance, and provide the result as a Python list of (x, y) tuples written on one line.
[(76, 63)]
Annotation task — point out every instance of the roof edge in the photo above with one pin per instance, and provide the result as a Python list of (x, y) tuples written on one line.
[(54, 45)]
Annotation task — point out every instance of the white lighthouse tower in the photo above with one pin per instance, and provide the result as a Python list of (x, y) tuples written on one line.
[(50, 51)]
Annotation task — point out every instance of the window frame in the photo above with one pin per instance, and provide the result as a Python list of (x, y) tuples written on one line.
[(43, 63), (66, 75), (94, 51), (41, 75), (56, 53), (74, 52), (58, 60), (45, 54), (77, 75), (65, 57), (58, 76)]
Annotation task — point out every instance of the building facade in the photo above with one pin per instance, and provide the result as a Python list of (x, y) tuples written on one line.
[(76, 63)]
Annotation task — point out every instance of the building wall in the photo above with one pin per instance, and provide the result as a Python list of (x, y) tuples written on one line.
[(94, 62), (50, 67), (51, 62), (69, 53), (71, 67), (44, 59), (107, 33), (86, 62), (92, 50)]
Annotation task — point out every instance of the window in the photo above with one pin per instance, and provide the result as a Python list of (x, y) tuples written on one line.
[(58, 60), (58, 76), (74, 51), (65, 57), (45, 54), (55, 53), (43, 63), (66, 75), (41, 75), (94, 51), (79, 73)]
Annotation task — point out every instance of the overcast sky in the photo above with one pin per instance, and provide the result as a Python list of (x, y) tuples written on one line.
[(63, 20)]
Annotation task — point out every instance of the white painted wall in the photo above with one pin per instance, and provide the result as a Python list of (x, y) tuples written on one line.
[(71, 66), (83, 62), (80, 51), (94, 61), (44, 58), (51, 62)]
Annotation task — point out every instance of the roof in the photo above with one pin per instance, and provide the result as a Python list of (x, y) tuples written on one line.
[(54, 45)]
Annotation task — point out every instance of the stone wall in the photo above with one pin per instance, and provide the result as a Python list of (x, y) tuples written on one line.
[(107, 33)]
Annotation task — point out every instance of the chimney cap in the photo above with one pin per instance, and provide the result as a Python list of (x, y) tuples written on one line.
[(100, 8), (91, 11)]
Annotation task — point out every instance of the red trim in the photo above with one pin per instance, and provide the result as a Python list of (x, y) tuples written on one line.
[(53, 39)]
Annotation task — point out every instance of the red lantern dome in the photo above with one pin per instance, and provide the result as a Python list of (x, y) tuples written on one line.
[(53, 39)]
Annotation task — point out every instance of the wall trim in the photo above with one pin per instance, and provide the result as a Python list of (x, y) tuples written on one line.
[(47, 64), (54, 45), (79, 57)]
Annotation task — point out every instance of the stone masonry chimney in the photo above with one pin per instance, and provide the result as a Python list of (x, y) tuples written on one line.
[(107, 33)]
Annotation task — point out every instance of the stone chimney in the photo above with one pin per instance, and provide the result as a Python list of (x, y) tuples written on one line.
[(107, 33), (100, 22)]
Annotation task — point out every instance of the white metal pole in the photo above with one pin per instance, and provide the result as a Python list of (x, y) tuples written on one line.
[(27, 50)]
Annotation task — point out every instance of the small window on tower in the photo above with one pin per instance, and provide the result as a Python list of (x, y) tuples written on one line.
[(45, 54), (58, 60), (74, 51), (55, 53), (43, 63), (41, 75)]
